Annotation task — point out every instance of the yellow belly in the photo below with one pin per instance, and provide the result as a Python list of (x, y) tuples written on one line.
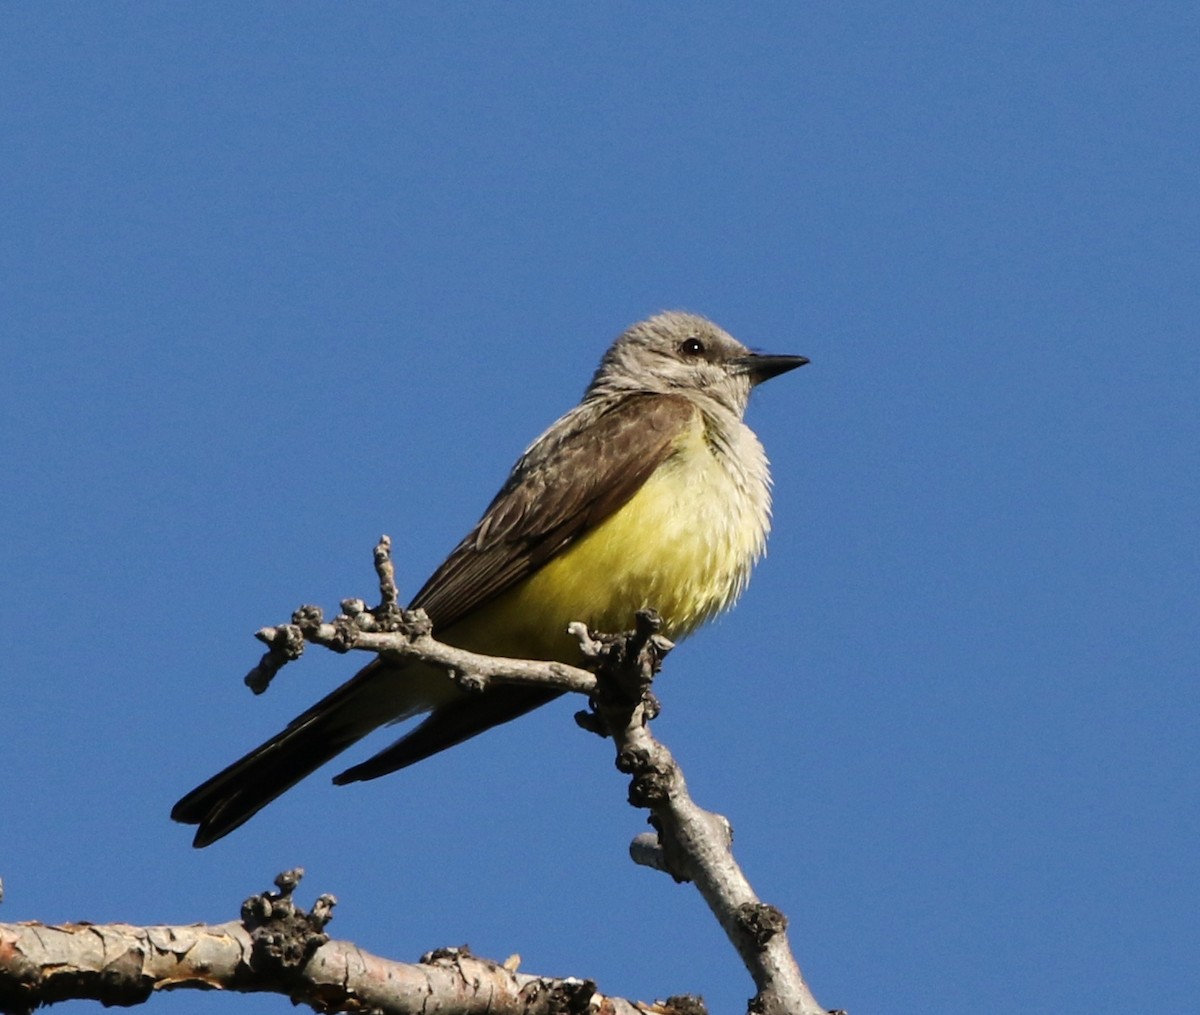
[(683, 545)]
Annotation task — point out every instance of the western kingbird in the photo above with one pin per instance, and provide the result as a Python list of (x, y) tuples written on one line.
[(651, 492)]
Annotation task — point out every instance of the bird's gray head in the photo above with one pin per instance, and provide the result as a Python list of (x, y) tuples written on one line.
[(680, 353)]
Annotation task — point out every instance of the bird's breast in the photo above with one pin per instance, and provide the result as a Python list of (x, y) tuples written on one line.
[(684, 545)]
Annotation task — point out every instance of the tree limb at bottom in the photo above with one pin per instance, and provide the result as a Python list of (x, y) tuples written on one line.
[(118, 964)]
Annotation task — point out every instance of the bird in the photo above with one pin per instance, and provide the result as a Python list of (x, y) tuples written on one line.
[(652, 492)]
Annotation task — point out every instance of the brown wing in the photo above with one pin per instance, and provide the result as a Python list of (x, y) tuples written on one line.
[(585, 468), (577, 474)]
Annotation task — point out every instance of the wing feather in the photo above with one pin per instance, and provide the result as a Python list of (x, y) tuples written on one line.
[(577, 474)]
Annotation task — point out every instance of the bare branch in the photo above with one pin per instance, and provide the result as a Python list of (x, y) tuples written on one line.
[(389, 630), (275, 948), (691, 844)]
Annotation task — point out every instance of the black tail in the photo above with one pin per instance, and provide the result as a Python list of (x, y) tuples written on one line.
[(377, 695), (448, 725), (233, 796)]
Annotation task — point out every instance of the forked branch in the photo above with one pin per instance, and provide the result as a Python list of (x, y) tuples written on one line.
[(689, 843)]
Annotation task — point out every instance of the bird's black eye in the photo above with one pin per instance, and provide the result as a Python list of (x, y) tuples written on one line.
[(692, 347)]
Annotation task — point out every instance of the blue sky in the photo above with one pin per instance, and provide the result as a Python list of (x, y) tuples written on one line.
[(279, 278)]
